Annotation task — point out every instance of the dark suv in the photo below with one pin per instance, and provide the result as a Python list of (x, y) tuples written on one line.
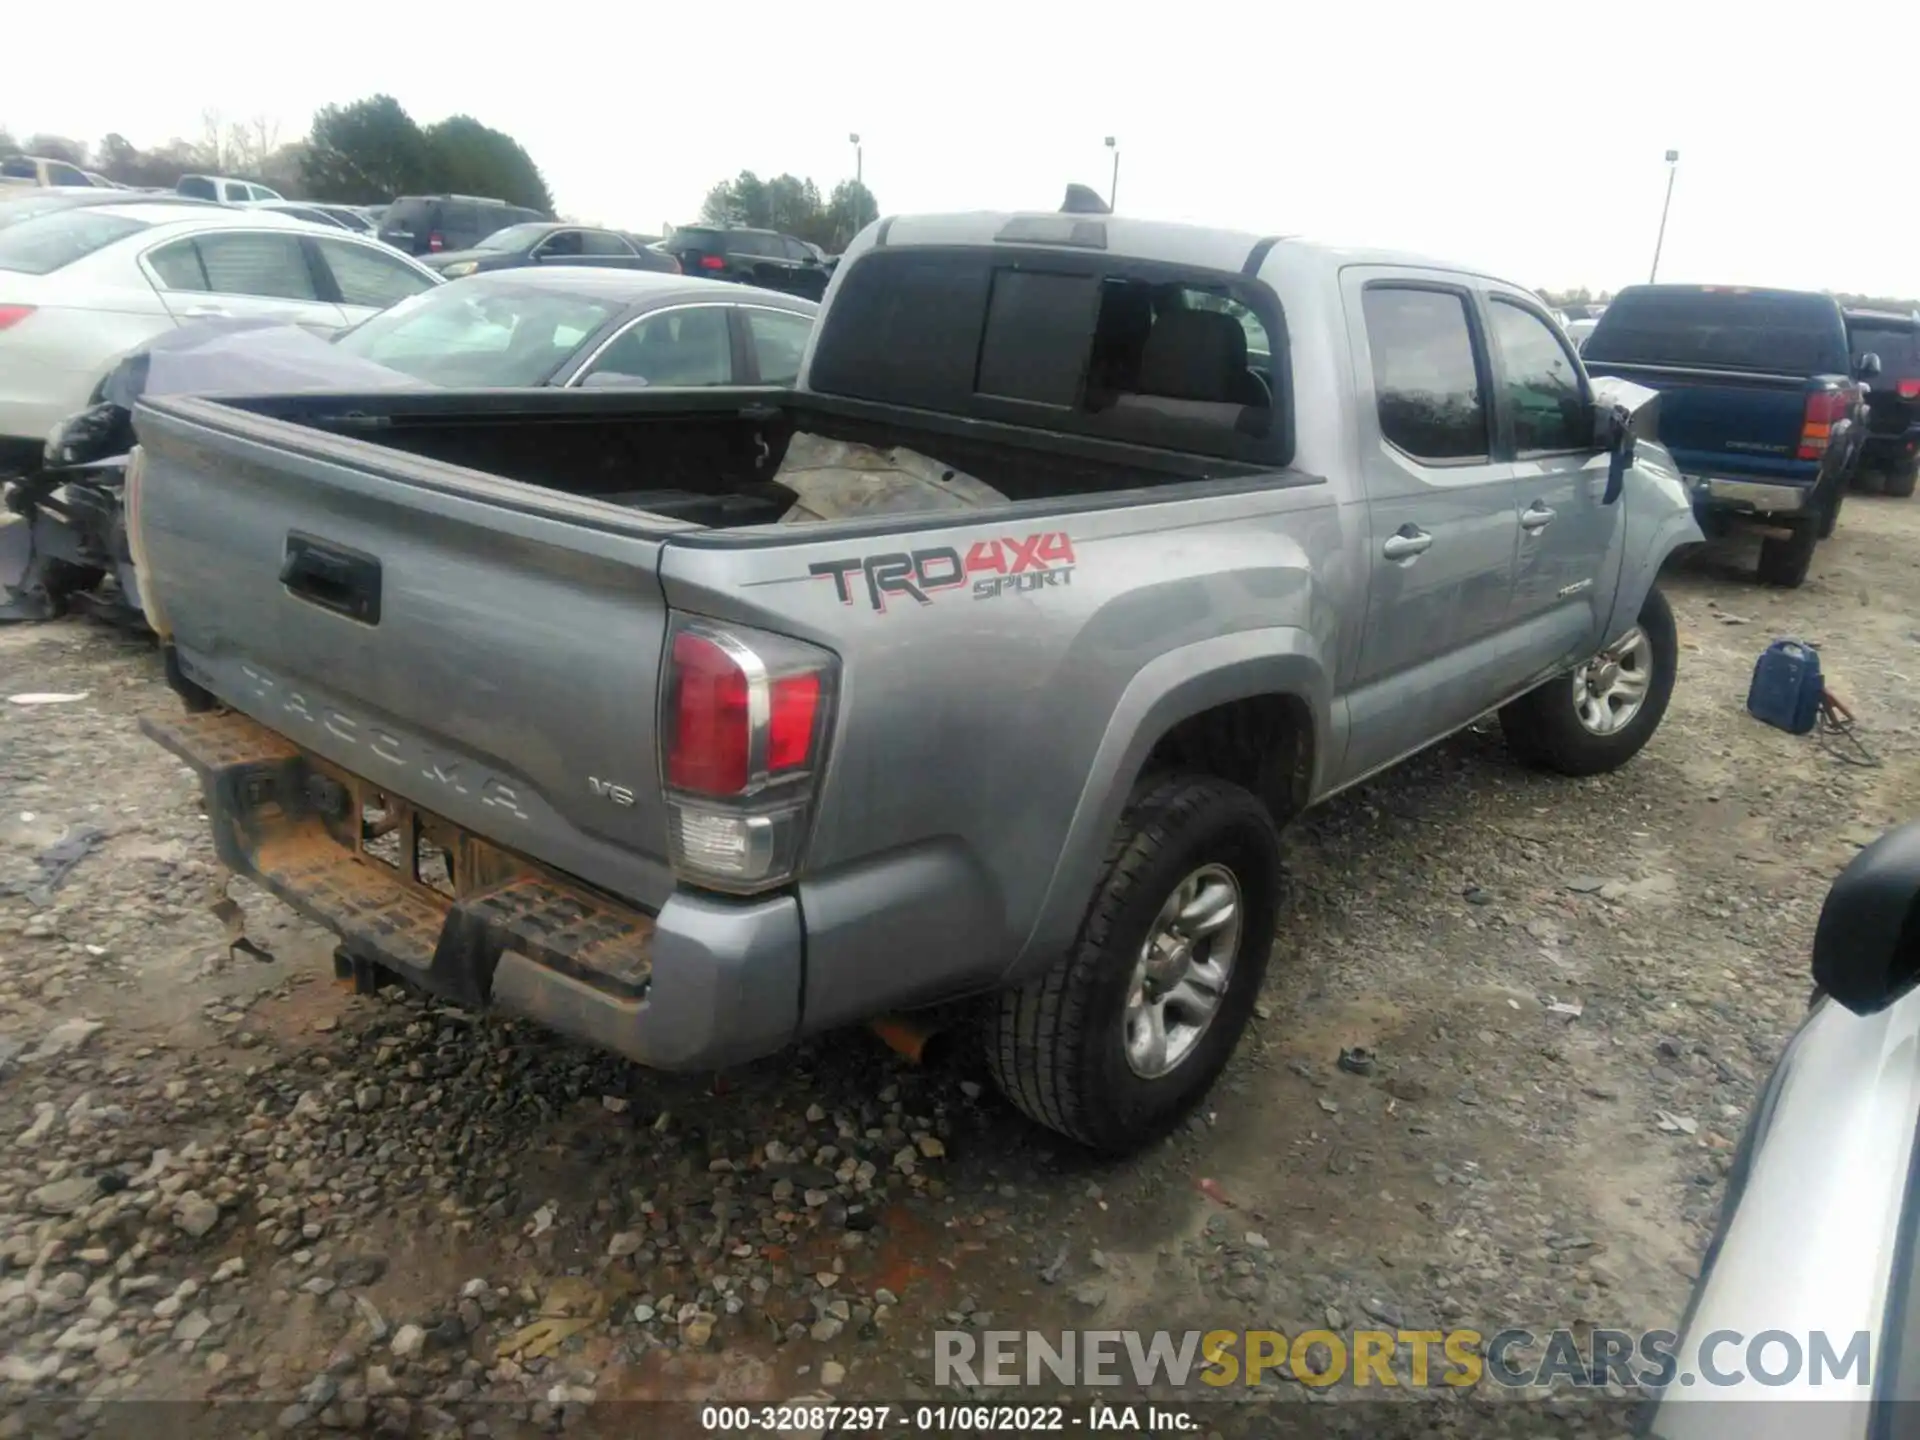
[(428, 224), (1891, 459), (753, 257)]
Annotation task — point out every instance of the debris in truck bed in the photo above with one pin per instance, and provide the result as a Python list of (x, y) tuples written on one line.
[(838, 478)]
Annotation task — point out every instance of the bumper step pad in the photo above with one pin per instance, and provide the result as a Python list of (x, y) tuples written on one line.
[(262, 796)]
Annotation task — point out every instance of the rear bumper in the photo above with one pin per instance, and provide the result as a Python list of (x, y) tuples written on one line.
[(1892, 446), (702, 984), (1748, 497)]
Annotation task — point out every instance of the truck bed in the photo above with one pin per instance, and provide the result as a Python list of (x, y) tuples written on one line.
[(688, 459)]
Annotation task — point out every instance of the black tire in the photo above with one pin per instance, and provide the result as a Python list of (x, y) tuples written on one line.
[(1543, 727), (1785, 563), (1868, 479), (1057, 1047), (1830, 512), (1900, 479)]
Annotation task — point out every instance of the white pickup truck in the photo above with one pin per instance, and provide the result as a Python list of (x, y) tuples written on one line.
[(20, 173)]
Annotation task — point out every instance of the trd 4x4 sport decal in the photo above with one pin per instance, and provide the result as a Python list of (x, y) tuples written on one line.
[(993, 567)]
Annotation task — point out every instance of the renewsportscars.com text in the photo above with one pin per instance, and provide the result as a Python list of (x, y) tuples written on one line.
[(1411, 1359)]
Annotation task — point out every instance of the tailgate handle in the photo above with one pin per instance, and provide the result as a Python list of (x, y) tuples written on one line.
[(333, 577)]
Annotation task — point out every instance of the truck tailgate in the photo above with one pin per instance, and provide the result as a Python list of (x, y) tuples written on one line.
[(1726, 422), (358, 607)]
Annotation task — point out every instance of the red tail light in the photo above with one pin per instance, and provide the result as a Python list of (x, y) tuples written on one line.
[(435, 242), (711, 727), (743, 728), (1910, 389), (1825, 408), (713, 262), (11, 315)]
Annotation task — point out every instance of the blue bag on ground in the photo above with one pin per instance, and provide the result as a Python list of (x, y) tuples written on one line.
[(1787, 687)]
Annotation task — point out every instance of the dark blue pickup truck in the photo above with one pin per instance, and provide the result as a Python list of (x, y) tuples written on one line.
[(1761, 404)]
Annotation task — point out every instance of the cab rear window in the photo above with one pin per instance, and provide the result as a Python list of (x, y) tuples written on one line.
[(1095, 346), (1721, 330)]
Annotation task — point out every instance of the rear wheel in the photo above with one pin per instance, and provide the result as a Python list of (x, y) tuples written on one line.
[(1784, 563), (1900, 479), (1600, 716), (1116, 1043)]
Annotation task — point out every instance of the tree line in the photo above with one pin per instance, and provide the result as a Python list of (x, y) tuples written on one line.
[(792, 206), (368, 151), (363, 153)]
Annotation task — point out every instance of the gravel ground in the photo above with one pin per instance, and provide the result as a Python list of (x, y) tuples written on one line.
[(226, 1179)]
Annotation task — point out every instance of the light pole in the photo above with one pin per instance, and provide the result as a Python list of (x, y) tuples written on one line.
[(1673, 166), (858, 179), (1113, 189)]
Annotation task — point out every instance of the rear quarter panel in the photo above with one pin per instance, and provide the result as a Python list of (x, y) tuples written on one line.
[(994, 729)]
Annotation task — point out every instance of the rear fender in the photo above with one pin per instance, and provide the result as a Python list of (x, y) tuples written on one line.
[(1174, 687)]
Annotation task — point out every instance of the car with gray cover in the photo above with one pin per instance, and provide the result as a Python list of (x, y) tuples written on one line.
[(984, 665)]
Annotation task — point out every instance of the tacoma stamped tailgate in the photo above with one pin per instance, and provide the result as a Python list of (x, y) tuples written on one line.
[(484, 651)]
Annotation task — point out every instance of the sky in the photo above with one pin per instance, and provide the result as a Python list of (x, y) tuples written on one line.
[(1525, 139)]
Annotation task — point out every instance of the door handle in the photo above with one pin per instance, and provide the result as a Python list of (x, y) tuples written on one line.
[(1405, 543), (198, 312), (1537, 517)]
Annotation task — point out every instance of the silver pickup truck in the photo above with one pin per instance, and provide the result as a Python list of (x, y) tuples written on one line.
[(574, 704)]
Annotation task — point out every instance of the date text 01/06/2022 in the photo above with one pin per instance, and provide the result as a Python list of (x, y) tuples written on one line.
[(944, 1419), (994, 567)]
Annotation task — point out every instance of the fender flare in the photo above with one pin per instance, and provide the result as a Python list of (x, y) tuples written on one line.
[(1642, 569), (1173, 687)]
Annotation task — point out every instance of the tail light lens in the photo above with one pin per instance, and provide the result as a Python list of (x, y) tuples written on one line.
[(713, 262), (744, 722), (436, 242), (11, 315), (1825, 408), (1910, 389)]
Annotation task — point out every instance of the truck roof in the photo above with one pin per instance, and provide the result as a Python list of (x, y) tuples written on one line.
[(1764, 290), (1202, 246)]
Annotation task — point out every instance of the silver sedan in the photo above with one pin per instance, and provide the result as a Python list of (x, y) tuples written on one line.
[(588, 327)]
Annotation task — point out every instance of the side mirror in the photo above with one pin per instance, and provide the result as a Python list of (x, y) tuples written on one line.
[(1613, 433), (1866, 949), (1868, 366)]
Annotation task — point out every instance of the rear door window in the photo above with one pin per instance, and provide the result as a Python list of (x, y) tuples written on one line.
[(18, 167), (676, 347), (270, 265), (462, 225), (604, 242), (367, 277), (766, 247), (1426, 379)]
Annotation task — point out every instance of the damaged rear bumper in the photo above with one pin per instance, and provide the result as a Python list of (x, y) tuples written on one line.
[(703, 983)]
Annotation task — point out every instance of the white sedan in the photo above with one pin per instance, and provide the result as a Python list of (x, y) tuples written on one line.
[(80, 287)]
